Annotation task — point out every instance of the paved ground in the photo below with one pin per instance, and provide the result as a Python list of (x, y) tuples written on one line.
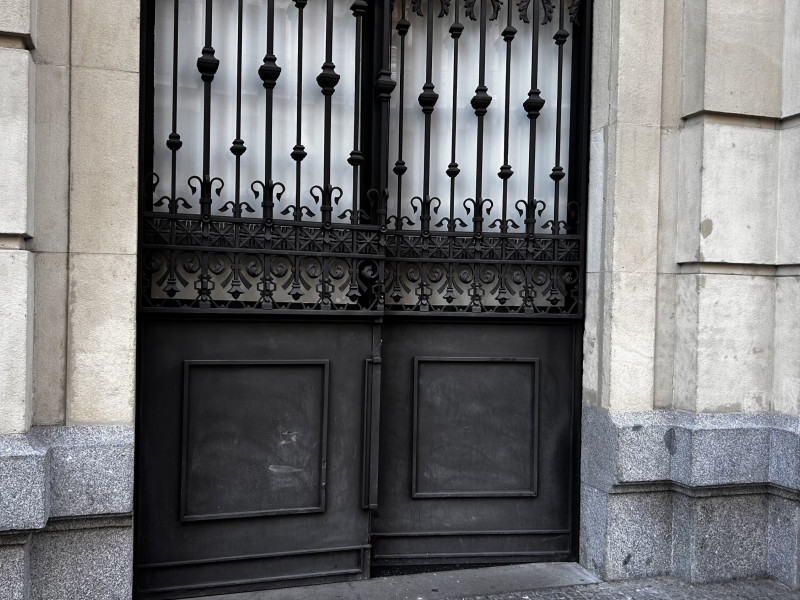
[(662, 588), (543, 581)]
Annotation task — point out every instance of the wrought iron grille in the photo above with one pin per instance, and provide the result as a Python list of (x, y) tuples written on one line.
[(423, 214)]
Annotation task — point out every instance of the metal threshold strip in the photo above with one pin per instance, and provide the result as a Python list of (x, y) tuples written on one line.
[(443, 585)]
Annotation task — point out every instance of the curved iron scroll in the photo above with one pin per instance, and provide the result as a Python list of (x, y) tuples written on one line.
[(244, 247)]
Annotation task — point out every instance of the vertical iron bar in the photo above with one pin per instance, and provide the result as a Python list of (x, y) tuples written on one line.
[(269, 71), (456, 29), (558, 171), (238, 147), (299, 151), (533, 106), (505, 170), (480, 104), (174, 140), (359, 8), (400, 168), (207, 65), (327, 80), (427, 100)]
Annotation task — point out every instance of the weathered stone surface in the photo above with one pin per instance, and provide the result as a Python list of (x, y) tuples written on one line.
[(723, 350), (791, 59), (17, 107), (49, 338), (727, 538), (665, 340), (90, 564), (787, 240), (638, 75), (783, 552), (730, 230), (24, 494), (593, 532), (639, 536), (636, 196), (727, 481), (743, 51), (52, 32), (603, 65), (734, 343), (14, 559), (51, 176), (786, 344), (632, 344), (117, 20), (91, 469), (733, 57), (693, 57), (104, 160), (16, 305), (693, 450), (101, 353), (592, 338), (17, 17)]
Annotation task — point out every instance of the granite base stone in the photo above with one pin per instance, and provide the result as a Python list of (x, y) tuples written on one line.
[(66, 496), (783, 553), (703, 497), (91, 469), (639, 528), (24, 486), (14, 565), (86, 564), (721, 538)]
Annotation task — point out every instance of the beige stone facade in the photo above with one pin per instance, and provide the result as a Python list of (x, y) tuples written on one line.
[(693, 274)]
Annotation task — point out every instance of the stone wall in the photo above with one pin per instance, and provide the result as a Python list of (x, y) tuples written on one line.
[(69, 115), (691, 358)]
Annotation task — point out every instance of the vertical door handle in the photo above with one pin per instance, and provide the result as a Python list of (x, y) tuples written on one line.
[(371, 431)]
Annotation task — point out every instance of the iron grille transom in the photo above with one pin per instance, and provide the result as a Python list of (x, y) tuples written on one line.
[(423, 214)]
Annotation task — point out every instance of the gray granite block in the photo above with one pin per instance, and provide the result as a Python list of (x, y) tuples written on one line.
[(784, 463), (599, 449), (689, 449), (726, 538), (14, 560), (783, 553), (679, 440), (592, 540), (682, 529), (91, 469), (639, 536), (729, 456), (645, 448), (23, 484), (82, 564)]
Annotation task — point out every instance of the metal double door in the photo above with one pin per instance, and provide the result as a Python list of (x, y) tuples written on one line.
[(279, 452)]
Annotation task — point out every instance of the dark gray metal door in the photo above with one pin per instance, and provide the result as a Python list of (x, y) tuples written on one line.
[(359, 318), (476, 444), (249, 454)]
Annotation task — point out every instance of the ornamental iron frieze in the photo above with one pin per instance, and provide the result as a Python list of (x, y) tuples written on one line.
[(370, 235)]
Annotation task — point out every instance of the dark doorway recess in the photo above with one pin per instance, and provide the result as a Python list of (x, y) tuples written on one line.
[(360, 294)]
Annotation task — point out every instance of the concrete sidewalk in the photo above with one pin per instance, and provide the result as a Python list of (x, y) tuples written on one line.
[(662, 588), (541, 581)]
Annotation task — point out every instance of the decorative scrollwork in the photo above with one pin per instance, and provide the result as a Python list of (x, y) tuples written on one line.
[(469, 9), (547, 11), (574, 9)]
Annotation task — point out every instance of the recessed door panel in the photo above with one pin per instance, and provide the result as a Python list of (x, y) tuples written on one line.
[(250, 438), (476, 443)]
